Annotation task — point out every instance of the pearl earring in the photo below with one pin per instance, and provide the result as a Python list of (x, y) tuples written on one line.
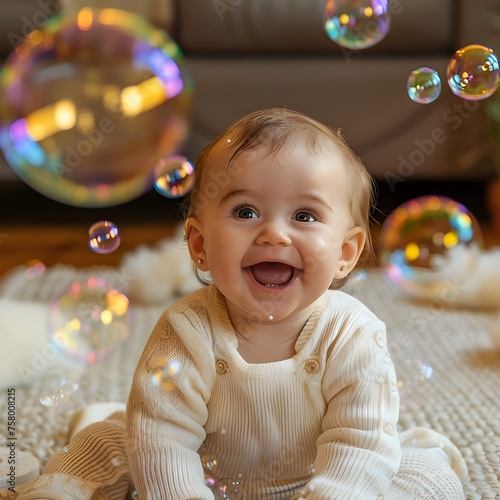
[(200, 261)]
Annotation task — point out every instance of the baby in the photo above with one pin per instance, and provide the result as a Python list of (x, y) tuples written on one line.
[(270, 383)]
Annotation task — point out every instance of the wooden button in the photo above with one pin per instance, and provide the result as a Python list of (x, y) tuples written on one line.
[(312, 366), (221, 366)]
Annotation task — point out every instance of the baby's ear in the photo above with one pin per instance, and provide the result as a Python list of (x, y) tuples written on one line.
[(354, 242), (195, 240)]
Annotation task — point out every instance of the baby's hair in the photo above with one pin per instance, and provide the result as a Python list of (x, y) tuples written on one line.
[(277, 128)]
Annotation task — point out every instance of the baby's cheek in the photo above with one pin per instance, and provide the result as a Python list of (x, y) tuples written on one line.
[(326, 248)]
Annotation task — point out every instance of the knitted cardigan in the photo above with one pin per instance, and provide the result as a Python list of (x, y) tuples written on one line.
[(322, 423)]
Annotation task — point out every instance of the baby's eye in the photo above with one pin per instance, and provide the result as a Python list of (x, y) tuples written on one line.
[(244, 213), (305, 217)]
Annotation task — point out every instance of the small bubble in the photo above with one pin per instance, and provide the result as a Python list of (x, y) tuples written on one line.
[(174, 176), (357, 24), (230, 489), (473, 72), (423, 85), (209, 462), (104, 237), (414, 381), (210, 480), (58, 389), (359, 277), (165, 377), (35, 268)]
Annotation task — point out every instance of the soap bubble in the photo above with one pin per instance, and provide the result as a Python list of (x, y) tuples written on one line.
[(359, 277), (423, 85), (210, 480), (209, 463), (473, 72), (35, 268), (356, 282), (90, 320), (416, 241), (58, 388), (229, 489), (91, 102), (357, 24), (164, 376), (104, 237), (174, 176), (414, 380)]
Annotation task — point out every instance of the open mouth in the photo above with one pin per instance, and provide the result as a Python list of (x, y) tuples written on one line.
[(273, 274)]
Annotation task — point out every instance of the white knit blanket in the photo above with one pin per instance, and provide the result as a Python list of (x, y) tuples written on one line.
[(447, 364)]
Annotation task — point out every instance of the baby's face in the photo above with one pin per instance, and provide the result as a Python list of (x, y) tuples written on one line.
[(274, 230)]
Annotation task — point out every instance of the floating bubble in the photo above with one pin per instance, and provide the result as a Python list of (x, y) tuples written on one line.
[(164, 376), (356, 282), (473, 72), (424, 85), (418, 238), (58, 388), (104, 237), (229, 489), (90, 320), (414, 380), (174, 176), (357, 24), (59, 394), (35, 268), (91, 101), (359, 277), (209, 463), (210, 480)]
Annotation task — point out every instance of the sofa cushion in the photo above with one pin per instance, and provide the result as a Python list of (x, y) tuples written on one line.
[(396, 138), (228, 27), (479, 23)]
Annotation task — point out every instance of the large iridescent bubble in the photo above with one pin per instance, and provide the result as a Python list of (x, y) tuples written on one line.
[(357, 24), (418, 240), (473, 72), (91, 102), (90, 320)]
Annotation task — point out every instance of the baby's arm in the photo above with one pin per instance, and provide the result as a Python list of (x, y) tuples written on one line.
[(358, 452), (166, 412)]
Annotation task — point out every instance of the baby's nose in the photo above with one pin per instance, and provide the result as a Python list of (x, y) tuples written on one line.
[(274, 233)]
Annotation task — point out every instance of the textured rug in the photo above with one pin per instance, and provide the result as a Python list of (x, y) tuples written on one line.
[(447, 363)]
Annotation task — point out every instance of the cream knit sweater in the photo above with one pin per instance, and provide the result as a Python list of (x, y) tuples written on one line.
[(323, 421), (321, 425)]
